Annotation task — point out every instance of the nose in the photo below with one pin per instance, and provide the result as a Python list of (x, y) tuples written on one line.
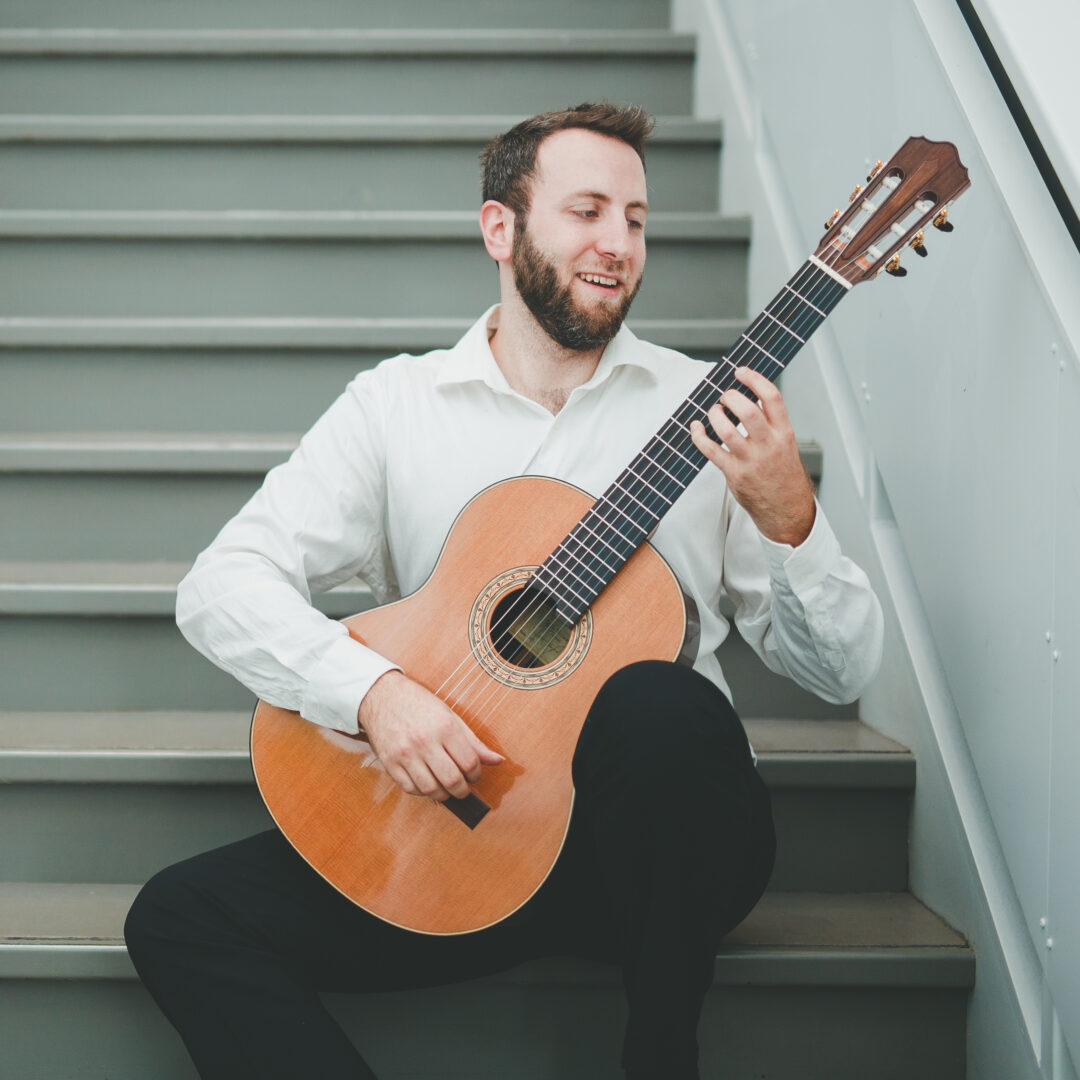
[(616, 240)]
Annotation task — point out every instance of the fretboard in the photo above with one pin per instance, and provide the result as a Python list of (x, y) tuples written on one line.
[(627, 514)]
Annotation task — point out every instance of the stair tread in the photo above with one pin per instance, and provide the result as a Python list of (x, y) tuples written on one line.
[(704, 226), (342, 42), (303, 129), (33, 912), (211, 747), (399, 334), (163, 451), (210, 732)]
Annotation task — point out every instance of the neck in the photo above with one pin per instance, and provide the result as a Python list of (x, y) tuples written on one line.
[(534, 365)]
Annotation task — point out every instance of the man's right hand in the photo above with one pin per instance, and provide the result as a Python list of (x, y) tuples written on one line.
[(425, 747)]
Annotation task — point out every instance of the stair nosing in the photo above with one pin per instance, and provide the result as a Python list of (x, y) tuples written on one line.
[(273, 128), (64, 43), (936, 955), (431, 226), (169, 453), (300, 333), (220, 755)]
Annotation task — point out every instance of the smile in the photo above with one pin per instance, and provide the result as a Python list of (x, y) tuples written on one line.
[(600, 279)]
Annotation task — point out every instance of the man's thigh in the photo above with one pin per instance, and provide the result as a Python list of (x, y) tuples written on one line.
[(261, 893)]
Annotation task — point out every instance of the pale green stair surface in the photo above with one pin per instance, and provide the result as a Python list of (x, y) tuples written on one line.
[(373, 263), (258, 208), (165, 785), (204, 375), (332, 14), (340, 71), (843, 965), (296, 163)]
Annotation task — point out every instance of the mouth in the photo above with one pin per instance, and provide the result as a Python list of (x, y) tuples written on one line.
[(600, 281)]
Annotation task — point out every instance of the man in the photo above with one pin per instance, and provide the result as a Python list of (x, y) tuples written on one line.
[(235, 944)]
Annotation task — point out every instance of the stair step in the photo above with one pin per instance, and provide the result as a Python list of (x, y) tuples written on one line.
[(134, 496), (331, 14), (101, 635), (165, 785), (335, 71), (837, 986), (212, 375), (846, 937), (297, 163), (321, 264)]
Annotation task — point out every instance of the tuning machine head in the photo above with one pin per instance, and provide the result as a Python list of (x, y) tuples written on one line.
[(918, 246), (893, 267), (942, 221)]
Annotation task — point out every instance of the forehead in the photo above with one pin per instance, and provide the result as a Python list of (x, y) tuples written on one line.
[(577, 160)]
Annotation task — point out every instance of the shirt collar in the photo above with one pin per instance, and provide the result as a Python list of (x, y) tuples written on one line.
[(471, 359)]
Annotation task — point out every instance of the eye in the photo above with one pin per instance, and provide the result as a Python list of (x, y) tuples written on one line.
[(634, 224), (586, 213)]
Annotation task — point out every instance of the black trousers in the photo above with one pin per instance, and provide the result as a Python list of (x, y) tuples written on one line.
[(670, 846)]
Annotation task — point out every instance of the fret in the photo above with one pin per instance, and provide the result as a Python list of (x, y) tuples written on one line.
[(783, 326), (634, 504), (805, 301), (780, 364)]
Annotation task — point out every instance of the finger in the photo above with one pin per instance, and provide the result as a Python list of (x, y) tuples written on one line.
[(716, 453), (401, 777), (768, 393), (429, 777), (725, 429), (743, 407)]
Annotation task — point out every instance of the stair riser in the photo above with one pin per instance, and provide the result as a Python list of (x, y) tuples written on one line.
[(256, 390), (115, 517), (62, 662), (110, 1030), (340, 85), (392, 278), (333, 14), (316, 176), (827, 841)]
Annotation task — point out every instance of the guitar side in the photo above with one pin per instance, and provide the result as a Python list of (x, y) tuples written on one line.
[(410, 860)]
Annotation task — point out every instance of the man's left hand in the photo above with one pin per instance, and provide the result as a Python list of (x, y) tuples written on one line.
[(762, 466)]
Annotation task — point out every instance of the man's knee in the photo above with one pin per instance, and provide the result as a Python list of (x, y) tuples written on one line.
[(654, 717)]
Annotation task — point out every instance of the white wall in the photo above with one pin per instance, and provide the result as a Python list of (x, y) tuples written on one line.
[(948, 404)]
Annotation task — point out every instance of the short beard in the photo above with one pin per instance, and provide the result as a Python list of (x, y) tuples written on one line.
[(552, 304)]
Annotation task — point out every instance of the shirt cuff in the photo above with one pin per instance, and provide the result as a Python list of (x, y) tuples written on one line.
[(338, 684), (810, 563)]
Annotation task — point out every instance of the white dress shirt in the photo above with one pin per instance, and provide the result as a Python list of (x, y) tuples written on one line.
[(374, 487)]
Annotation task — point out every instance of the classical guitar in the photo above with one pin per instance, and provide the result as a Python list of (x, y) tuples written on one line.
[(536, 599)]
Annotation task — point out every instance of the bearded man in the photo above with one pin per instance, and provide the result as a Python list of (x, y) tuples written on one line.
[(671, 840)]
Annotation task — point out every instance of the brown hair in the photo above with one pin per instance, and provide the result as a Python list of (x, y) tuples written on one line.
[(508, 162)]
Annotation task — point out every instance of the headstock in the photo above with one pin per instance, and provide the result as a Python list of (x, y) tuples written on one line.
[(913, 187)]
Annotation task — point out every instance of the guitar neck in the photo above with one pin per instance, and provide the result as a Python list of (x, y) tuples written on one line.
[(627, 514)]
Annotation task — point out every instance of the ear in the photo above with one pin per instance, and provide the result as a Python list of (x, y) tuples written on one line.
[(497, 226)]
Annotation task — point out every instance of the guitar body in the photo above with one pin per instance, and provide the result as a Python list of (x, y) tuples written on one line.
[(414, 862)]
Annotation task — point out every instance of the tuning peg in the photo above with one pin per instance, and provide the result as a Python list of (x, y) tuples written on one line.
[(873, 172), (855, 194), (918, 246), (893, 267), (942, 221), (832, 221)]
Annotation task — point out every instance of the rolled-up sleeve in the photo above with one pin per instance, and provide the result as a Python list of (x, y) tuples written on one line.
[(808, 611), (317, 521)]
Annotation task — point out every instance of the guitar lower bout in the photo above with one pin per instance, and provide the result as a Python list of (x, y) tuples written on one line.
[(497, 651)]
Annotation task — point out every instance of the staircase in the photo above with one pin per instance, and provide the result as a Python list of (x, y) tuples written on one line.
[(211, 220)]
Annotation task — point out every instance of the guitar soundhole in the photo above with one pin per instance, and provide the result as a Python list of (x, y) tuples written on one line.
[(526, 630)]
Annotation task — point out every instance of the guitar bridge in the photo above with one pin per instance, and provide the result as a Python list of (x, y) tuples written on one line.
[(470, 810)]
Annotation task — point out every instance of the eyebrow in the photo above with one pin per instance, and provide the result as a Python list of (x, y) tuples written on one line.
[(599, 196)]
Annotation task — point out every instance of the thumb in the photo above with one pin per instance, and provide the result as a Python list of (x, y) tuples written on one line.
[(486, 754)]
